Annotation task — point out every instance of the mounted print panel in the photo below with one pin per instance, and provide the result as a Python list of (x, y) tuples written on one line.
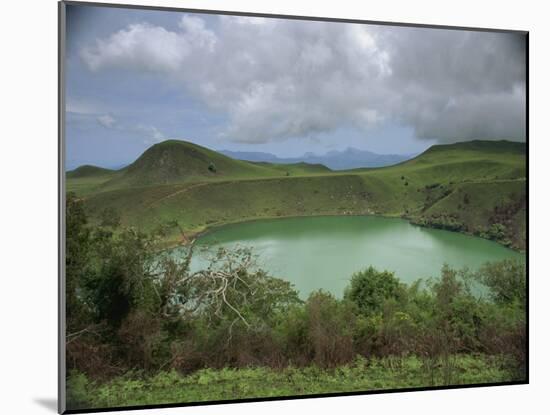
[(261, 207)]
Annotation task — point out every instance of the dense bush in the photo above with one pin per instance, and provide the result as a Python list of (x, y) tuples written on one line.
[(369, 289), (448, 222)]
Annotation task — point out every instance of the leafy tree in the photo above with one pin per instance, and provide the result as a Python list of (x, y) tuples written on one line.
[(77, 245), (120, 280), (506, 281), (497, 231), (369, 289)]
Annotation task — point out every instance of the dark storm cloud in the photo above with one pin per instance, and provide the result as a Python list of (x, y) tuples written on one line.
[(278, 79)]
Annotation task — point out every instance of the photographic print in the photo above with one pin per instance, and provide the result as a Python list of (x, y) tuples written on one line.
[(257, 207)]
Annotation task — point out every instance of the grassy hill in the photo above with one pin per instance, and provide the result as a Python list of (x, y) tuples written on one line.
[(87, 179), (175, 161), (87, 171), (475, 187)]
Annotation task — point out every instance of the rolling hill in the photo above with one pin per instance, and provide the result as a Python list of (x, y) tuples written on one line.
[(475, 187), (179, 161), (87, 171)]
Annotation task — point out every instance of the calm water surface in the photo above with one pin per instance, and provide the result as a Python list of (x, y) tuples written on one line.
[(323, 252)]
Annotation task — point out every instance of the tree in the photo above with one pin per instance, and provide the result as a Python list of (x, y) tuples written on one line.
[(120, 279), (506, 281), (369, 289), (232, 286), (212, 167), (77, 246)]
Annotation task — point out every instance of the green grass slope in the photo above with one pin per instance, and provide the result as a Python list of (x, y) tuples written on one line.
[(296, 168), (229, 383), (475, 187), (88, 179), (201, 205), (88, 171)]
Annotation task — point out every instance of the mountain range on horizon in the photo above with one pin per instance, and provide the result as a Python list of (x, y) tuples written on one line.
[(350, 158)]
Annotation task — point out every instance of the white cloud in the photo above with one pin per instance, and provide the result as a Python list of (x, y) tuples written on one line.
[(150, 133), (152, 48), (106, 121), (80, 107), (277, 78)]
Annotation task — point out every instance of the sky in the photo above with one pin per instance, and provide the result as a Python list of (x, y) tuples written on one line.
[(137, 77)]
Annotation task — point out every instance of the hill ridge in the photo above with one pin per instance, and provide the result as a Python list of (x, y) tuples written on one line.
[(88, 170)]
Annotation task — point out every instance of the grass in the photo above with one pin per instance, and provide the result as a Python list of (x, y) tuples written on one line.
[(172, 181), (228, 384)]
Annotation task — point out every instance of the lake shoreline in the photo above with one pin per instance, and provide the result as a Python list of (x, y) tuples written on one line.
[(192, 237), (325, 251)]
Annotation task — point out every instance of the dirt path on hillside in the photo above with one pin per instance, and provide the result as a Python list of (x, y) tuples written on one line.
[(186, 189)]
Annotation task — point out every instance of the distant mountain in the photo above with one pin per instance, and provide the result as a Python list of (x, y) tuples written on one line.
[(350, 158), (252, 156)]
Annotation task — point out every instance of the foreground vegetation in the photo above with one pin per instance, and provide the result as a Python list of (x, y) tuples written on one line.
[(474, 187), (262, 382), (143, 328)]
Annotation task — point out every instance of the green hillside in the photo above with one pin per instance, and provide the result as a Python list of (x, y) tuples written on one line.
[(474, 187), (178, 161), (88, 171), (295, 168), (88, 179)]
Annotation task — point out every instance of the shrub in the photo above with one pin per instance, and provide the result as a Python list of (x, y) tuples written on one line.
[(78, 391), (369, 289), (330, 329), (109, 217), (506, 281)]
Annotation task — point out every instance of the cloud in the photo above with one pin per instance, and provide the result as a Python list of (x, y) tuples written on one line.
[(106, 121), (150, 133), (277, 79), (79, 107)]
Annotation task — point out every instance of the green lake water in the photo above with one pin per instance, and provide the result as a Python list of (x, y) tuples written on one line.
[(323, 252)]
